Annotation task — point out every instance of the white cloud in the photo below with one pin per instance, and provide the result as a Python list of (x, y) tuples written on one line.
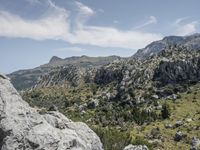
[(112, 37), (183, 28), (58, 25), (151, 20), (85, 10), (73, 49), (41, 29), (180, 20)]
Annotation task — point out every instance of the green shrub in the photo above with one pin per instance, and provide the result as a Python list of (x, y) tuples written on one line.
[(165, 112), (141, 141), (112, 138)]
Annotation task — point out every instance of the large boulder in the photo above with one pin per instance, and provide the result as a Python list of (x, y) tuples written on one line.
[(22, 127)]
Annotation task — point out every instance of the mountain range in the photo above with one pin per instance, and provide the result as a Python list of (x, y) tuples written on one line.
[(24, 79), (150, 98)]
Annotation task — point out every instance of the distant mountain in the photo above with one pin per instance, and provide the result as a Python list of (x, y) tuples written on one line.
[(24, 79), (190, 42), (129, 93), (81, 61)]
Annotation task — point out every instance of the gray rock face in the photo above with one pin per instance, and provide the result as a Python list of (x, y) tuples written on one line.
[(22, 127), (191, 41), (136, 147)]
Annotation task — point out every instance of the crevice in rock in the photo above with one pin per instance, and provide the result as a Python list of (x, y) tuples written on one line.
[(2, 136)]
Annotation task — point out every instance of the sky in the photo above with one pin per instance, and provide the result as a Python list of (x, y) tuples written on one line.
[(32, 31)]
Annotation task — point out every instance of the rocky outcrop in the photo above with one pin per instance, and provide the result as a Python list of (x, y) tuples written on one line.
[(190, 42), (136, 147), (108, 74), (184, 71), (69, 75), (22, 127)]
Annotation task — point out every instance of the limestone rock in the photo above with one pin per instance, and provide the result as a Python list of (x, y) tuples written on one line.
[(22, 127), (136, 147), (195, 144), (178, 123), (93, 103), (178, 136)]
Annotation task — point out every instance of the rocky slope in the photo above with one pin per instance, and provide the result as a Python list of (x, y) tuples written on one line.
[(22, 127), (25, 79), (191, 42), (133, 97)]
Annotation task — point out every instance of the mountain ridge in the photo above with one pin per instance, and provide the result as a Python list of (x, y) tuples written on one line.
[(25, 79), (190, 41)]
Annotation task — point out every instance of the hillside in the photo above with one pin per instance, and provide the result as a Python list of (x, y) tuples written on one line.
[(141, 100), (25, 79), (152, 101), (22, 127)]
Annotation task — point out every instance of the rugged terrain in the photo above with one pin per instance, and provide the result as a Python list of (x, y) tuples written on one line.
[(22, 127), (190, 42), (25, 79), (150, 99)]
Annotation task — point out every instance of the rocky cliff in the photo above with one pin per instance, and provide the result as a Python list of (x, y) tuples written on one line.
[(190, 42), (22, 127)]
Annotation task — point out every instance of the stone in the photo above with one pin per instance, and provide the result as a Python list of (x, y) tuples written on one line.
[(22, 127), (174, 97), (178, 136), (188, 119), (53, 108), (178, 123), (136, 147), (155, 142), (155, 96), (168, 126), (195, 144), (93, 103), (159, 107), (82, 107)]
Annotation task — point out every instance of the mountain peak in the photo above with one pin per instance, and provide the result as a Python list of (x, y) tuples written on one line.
[(191, 41), (55, 59)]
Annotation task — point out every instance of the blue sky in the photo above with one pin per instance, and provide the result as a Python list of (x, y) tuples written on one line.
[(32, 31)]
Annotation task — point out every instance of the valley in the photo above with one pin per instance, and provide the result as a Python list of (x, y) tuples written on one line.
[(148, 99)]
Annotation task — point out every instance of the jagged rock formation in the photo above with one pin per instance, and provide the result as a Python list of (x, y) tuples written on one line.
[(22, 127), (67, 75), (133, 78), (107, 73), (190, 42)]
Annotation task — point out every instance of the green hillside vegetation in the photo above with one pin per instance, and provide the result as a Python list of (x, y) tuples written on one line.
[(121, 124)]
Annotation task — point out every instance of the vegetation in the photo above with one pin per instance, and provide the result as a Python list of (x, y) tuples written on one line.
[(112, 138), (165, 112), (119, 124)]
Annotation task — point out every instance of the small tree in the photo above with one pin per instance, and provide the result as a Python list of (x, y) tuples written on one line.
[(165, 112)]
